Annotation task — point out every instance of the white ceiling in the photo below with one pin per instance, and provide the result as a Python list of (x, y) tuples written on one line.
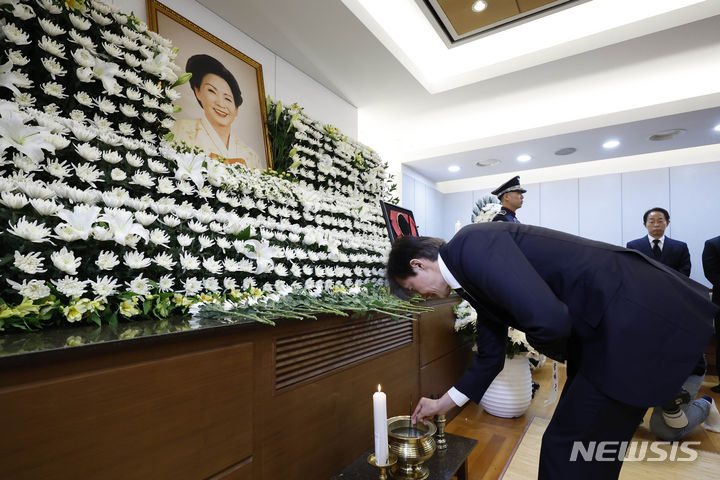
[(626, 89)]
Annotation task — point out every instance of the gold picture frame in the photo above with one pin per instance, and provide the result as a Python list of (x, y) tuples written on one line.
[(223, 76)]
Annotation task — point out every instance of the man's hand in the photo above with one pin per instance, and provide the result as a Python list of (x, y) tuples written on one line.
[(427, 408)]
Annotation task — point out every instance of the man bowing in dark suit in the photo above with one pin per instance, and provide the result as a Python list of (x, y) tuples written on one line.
[(630, 328), (673, 253), (711, 268)]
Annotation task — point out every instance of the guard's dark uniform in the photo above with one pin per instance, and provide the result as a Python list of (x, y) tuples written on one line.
[(505, 214)]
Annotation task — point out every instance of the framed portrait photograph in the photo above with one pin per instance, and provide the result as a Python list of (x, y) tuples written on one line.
[(223, 104), (399, 221)]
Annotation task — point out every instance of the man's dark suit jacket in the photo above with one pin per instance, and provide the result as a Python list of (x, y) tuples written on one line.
[(630, 325), (711, 266), (675, 254)]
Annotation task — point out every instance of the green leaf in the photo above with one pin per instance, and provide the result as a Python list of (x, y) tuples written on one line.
[(113, 320), (147, 305), (95, 318)]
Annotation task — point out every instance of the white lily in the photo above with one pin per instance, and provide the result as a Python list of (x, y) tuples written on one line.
[(28, 140), (81, 219), (262, 253), (120, 223), (190, 166)]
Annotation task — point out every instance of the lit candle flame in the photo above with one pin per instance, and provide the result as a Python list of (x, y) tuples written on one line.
[(379, 387)]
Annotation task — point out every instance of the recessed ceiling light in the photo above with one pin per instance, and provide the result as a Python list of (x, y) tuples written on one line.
[(611, 144), (487, 163), (666, 134), (524, 157), (566, 151), (453, 168), (479, 6), (717, 127)]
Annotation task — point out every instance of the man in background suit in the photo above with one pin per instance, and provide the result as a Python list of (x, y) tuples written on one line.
[(711, 267), (510, 195), (631, 329), (656, 245)]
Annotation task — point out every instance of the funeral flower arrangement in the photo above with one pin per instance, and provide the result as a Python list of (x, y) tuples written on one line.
[(103, 217), (485, 210)]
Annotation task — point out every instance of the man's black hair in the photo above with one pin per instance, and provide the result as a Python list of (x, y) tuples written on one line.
[(656, 209), (405, 249)]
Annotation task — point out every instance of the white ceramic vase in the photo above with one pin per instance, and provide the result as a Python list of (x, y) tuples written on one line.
[(509, 395)]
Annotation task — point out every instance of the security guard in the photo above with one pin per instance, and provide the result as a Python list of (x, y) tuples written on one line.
[(510, 195)]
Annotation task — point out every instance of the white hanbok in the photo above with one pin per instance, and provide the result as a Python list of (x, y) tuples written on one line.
[(198, 132)]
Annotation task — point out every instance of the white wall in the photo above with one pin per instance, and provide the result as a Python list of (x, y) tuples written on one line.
[(609, 208), (282, 81), (419, 195)]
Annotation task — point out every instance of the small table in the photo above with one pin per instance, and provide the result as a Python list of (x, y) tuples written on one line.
[(442, 465)]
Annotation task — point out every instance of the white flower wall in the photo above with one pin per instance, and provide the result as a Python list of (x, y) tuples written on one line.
[(101, 218)]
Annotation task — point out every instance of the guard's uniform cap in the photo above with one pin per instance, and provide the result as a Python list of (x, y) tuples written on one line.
[(512, 185)]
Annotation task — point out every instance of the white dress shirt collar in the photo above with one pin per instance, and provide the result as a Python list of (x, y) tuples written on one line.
[(447, 276), (660, 243)]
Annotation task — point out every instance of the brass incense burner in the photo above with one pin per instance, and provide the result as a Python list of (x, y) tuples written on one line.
[(413, 444)]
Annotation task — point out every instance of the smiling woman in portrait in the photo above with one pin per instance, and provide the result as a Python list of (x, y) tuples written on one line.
[(218, 93)]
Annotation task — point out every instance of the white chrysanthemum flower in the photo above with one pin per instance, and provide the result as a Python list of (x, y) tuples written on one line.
[(99, 18), (134, 160), (112, 157), (126, 128), (15, 35), (35, 232), (81, 40), (128, 110), (172, 94), (223, 243), (102, 123), (140, 285), (205, 242), (45, 207), (83, 58), (159, 237), (165, 284), (65, 261), (150, 102), (152, 88), (17, 58), (16, 201), (118, 175), (114, 51), (186, 188), (25, 99), (171, 221), (166, 186), (212, 265), (189, 262), (104, 287), (84, 74), (133, 94), (79, 22), (147, 135), (156, 166), (145, 218), (71, 286), (211, 284), (58, 141), (53, 89), (167, 108), (35, 190), (101, 234), (217, 227), (52, 47), (164, 260), (136, 260), (116, 197), (229, 283), (132, 77), (197, 227), (144, 179), (295, 270), (184, 240), (88, 152), (132, 60), (88, 173), (149, 117), (105, 105), (192, 286), (107, 260), (30, 263), (31, 289), (280, 270), (53, 67)]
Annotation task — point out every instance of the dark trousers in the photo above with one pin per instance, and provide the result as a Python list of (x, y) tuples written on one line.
[(717, 343), (587, 415)]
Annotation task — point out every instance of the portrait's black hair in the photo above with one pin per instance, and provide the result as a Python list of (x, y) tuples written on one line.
[(405, 249), (656, 209), (201, 65)]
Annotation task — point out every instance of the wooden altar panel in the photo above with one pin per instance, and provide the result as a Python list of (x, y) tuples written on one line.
[(148, 419)]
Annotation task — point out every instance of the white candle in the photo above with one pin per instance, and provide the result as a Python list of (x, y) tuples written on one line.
[(458, 226), (381, 434)]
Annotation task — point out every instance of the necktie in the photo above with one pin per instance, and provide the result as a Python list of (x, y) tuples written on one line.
[(656, 249)]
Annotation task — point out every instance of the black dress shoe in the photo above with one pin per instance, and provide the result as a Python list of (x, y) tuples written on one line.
[(715, 389)]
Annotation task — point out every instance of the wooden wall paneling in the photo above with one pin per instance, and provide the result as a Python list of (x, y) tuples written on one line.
[(314, 428), (437, 331), (185, 416), (438, 376)]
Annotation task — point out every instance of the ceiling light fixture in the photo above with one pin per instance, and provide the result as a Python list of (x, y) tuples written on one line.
[(666, 134), (479, 6), (611, 144), (453, 168), (717, 127), (566, 151), (524, 157), (487, 163)]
